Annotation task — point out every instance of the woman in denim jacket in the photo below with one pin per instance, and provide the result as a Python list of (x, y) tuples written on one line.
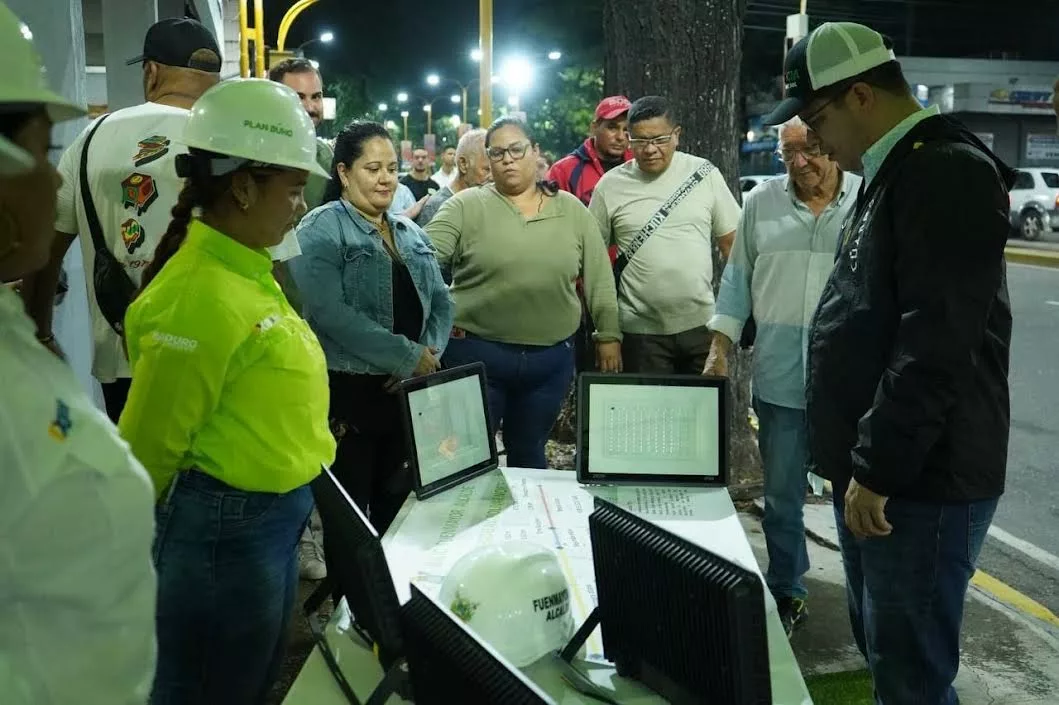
[(373, 293)]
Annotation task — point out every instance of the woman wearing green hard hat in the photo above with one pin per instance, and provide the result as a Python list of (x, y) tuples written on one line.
[(228, 408), (76, 522)]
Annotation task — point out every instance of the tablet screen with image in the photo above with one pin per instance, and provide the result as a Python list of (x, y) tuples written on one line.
[(647, 429), (448, 426)]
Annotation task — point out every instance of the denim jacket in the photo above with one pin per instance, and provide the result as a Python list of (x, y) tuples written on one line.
[(345, 278)]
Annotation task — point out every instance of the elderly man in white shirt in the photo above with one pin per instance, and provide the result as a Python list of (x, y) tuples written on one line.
[(784, 251)]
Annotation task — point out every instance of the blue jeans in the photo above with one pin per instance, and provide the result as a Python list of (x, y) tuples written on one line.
[(527, 385), (784, 451), (906, 594), (227, 578)]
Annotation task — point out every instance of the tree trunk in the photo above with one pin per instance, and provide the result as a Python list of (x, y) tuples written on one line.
[(689, 51)]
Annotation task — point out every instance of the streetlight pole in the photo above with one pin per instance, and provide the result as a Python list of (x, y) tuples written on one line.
[(430, 114), (485, 68), (404, 114)]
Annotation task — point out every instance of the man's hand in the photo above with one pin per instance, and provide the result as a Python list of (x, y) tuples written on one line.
[(413, 212), (717, 360), (52, 344), (608, 356), (865, 512)]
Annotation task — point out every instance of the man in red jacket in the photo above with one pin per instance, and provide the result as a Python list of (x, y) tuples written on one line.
[(608, 147), (580, 171)]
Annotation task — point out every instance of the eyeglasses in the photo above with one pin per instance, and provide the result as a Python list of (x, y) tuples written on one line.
[(809, 152), (813, 121), (654, 141), (517, 151)]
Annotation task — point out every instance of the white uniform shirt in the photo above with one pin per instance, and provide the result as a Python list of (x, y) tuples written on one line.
[(77, 586), (134, 185)]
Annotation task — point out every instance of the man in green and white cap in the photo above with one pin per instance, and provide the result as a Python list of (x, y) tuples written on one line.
[(907, 392)]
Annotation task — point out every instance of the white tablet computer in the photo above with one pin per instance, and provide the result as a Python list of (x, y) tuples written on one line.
[(652, 429), (447, 424)]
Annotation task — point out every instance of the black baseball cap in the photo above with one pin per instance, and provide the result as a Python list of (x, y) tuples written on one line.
[(173, 41), (832, 53)]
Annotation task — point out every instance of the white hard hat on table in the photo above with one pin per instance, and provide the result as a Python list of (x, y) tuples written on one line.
[(23, 83), (515, 597), (257, 120)]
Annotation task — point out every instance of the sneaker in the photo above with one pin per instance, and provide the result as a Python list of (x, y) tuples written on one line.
[(311, 564), (792, 613)]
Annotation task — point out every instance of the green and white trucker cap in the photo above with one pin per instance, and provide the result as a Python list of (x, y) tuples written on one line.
[(832, 53)]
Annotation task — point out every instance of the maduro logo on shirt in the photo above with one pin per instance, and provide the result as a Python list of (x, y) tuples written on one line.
[(60, 426)]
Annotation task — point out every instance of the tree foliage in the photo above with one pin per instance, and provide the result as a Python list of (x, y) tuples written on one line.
[(562, 121)]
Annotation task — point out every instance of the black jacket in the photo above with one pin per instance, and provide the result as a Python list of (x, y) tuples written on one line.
[(907, 385)]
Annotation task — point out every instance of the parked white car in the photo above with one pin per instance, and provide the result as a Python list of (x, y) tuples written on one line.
[(748, 182), (1035, 202)]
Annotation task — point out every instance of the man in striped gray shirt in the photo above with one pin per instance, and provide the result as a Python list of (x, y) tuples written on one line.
[(783, 253)]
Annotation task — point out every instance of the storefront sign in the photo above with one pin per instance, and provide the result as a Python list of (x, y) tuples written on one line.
[(1042, 146), (1023, 98)]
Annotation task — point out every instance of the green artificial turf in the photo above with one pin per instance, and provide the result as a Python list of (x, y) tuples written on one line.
[(849, 688)]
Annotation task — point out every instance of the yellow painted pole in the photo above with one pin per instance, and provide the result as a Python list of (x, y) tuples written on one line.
[(405, 116), (244, 41), (485, 75), (259, 39), (288, 19)]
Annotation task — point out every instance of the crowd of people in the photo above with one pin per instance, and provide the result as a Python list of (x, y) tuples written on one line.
[(258, 294)]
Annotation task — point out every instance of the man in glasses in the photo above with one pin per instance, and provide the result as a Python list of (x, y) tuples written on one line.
[(783, 253), (664, 210), (907, 392)]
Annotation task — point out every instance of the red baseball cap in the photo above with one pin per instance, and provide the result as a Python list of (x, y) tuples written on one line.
[(612, 107)]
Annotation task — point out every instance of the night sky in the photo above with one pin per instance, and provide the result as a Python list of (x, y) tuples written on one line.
[(394, 44)]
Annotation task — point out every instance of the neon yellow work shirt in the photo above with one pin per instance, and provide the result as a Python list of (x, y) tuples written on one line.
[(226, 377)]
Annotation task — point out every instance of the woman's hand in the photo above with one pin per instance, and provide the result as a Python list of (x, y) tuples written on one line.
[(428, 362), (608, 356)]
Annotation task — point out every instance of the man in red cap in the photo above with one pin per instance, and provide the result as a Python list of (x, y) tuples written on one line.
[(581, 170), (608, 147)]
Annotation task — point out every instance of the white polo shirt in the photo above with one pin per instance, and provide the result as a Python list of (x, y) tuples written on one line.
[(134, 185), (667, 287), (77, 586)]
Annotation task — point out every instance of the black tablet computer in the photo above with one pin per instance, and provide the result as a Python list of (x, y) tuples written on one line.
[(652, 430), (447, 423)]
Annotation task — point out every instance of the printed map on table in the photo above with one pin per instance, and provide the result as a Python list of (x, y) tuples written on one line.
[(431, 535)]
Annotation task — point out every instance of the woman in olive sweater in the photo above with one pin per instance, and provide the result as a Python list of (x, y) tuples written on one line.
[(516, 248)]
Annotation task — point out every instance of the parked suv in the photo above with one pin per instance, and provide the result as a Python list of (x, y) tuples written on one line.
[(1035, 202)]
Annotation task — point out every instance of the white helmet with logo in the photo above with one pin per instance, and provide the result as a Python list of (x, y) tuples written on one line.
[(24, 83), (255, 120), (515, 597)]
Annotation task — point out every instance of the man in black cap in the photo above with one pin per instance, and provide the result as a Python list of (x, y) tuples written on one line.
[(131, 187), (907, 391)]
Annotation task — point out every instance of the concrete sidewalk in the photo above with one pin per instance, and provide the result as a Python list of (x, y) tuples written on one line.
[(1009, 656)]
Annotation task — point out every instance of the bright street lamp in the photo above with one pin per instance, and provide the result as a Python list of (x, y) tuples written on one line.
[(404, 113), (433, 79), (555, 55), (455, 98), (324, 38), (476, 54), (383, 107), (402, 97), (517, 74)]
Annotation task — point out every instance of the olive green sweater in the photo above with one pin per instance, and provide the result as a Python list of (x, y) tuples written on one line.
[(514, 279)]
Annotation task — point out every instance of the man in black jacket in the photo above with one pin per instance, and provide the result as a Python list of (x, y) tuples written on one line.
[(907, 392)]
